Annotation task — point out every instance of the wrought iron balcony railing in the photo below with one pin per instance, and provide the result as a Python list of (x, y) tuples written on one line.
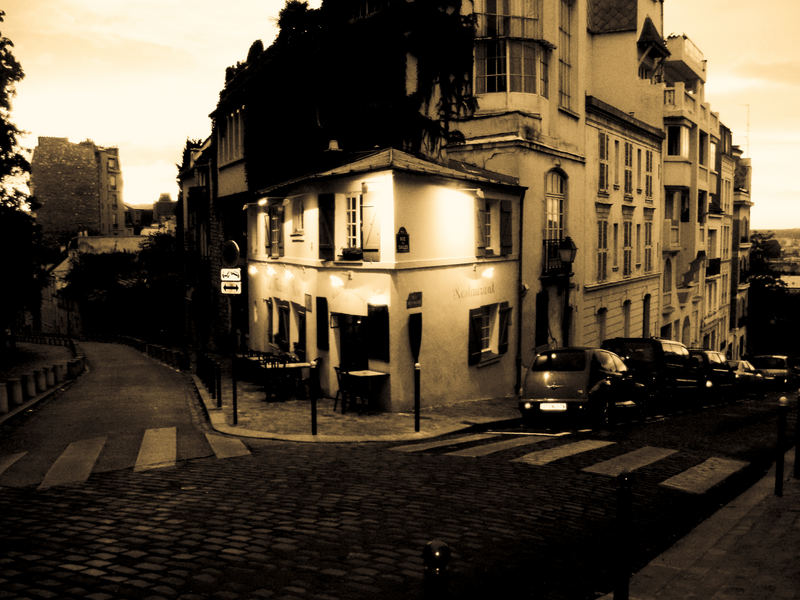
[(552, 265)]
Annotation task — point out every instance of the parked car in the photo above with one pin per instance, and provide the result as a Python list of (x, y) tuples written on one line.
[(662, 366), (578, 382), (778, 370), (717, 377), (747, 378)]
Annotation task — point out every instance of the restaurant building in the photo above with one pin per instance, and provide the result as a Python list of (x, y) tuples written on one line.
[(363, 265)]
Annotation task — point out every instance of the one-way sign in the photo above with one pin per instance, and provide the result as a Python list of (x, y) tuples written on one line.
[(230, 274), (231, 287)]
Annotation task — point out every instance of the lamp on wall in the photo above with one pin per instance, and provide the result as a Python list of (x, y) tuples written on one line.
[(566, 252)]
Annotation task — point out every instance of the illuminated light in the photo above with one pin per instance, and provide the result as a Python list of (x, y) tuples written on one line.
[(379, 300), (252, 269), (488, 273), (271, 271), (337, 282), (528, 406), (709, 383), (262, 202), (288, 275)]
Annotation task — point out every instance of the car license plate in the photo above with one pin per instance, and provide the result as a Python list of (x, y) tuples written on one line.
[(553, 406)]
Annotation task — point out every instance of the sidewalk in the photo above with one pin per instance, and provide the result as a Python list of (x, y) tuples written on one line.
[(749, 549), (291, 420)]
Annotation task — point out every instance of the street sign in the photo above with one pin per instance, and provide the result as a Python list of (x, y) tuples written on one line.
[(230, 274), (231, 287)]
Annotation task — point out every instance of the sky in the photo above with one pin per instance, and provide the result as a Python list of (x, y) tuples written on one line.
[(143, 75)]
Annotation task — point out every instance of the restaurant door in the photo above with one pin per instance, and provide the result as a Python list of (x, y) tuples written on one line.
[(353, 342)]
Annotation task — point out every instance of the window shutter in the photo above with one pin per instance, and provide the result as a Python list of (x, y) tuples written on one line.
[(280, 211), (370, 229), (326, 220), (503, 327), (322, 323), (480, 239), (474, 347), (506, 244)]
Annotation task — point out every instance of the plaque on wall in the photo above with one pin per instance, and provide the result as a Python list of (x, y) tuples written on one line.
[(402, 240), (414, 300)]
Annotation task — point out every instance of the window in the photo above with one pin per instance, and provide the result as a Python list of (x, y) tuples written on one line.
[(648, 175), (667, 276), (638, 170), (231, 136), (298, 215), (602, 153), (112, 164), (510, 65), (112, 182), (565, 55), (555, 198), (273, 229), (638, 244), (648, 246), (627, 247), (488, 332), (353, 221), (677, 141), (616, 164), (602, 249), (712, 155), (614, 257), (493, 227), (702, 150), (702, 205), (628, 169)]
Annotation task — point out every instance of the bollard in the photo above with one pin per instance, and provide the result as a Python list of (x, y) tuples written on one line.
[(234, 392), (783, 408), (3, 397), (218, 378), (313, 384), (14, 387), (59, 371), (50, 374), (796, 471), (28, 385), (623, 524), (436, 556), (41, 380), (416, 395)]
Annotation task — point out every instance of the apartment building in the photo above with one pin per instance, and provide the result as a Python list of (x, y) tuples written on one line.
[(79, 187), (740, 253)]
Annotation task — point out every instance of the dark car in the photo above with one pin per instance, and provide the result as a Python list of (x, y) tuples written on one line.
[(662, 366), (747, 378), (577, 383), (717, 377), (778, 370)]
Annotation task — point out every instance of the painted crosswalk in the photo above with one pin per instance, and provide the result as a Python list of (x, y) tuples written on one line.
[(697, 479), (75, 463)]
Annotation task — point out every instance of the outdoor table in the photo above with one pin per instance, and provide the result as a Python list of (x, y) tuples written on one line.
[(366, 384), (278, 374)]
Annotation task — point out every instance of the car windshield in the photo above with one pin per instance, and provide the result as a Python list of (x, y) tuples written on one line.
[(563, 360), (768, 362), (636, 352)]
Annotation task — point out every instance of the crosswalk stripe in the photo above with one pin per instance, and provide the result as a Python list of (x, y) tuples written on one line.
[(630, 461), (226, 447), (7, 461), (75, 463), (448, 442), (487, 449), (701, 478), (158, 449), (543, 457)]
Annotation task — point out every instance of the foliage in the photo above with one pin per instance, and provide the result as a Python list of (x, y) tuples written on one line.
[(332, 74), (19, 235), (122, 293)]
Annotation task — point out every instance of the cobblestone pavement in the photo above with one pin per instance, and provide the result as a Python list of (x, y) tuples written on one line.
[(349, 521)]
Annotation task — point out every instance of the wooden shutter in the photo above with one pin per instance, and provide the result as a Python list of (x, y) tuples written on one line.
[(280, 213), (506, 243), (378, 332), (326, 222), (480, 239), (322, 323), (504, 323), (474, 346), (370, 228)]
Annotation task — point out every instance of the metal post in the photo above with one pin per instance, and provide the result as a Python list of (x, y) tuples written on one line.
[(218, 376), (234, 394), (783, 408), (623, 568), (314, 384), (416, 395), (797, 439)]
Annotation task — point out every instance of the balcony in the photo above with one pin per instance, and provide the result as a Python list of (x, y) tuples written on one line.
[(678, 99), (508, 26), (552, 263), (686, 62), (713, 266), (671, 236)]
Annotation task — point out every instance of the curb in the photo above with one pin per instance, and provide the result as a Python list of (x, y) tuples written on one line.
[(31, 402)]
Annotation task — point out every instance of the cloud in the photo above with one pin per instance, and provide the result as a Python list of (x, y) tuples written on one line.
[(779, 73)]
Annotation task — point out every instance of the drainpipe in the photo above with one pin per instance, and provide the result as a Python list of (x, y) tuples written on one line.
[(520, 295)]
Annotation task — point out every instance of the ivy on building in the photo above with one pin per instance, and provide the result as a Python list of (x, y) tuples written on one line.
[(399, 76)]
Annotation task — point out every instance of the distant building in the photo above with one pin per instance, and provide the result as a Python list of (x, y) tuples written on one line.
[(79, 188)]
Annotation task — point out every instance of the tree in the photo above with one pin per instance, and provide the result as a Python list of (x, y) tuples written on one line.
[(19, 248)]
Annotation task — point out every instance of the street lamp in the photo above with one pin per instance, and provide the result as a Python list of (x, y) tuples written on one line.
[(566, 252)]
